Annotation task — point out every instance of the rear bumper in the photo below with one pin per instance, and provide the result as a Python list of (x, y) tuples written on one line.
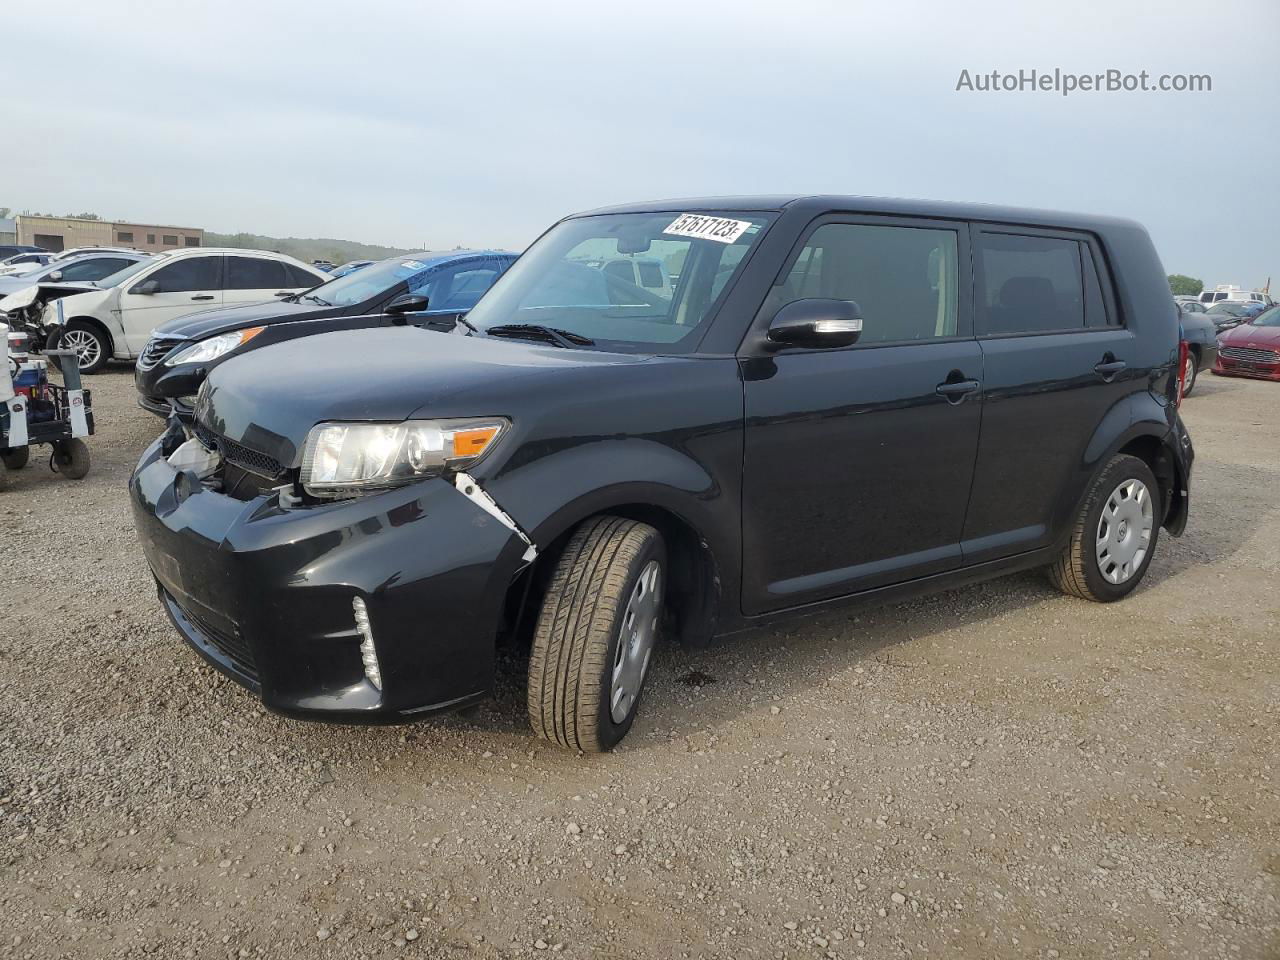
[(265, 593)]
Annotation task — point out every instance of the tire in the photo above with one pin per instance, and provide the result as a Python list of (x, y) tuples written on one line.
[(16, 458), (611, 568), (1193, 372), (71, 458), (1093, 564), (92, 347)]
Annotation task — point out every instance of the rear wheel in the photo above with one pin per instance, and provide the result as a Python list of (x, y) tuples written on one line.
[(90, 344), (16, 458), (1114, 536), (71, 458), (1193, 370), (596, 634)]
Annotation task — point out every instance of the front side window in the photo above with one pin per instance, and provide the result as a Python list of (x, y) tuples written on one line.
[(1029, 284), (375, 280), (190, 273), (464, 288), (94, 269), (255, 273), (581, 278), (904, 279)]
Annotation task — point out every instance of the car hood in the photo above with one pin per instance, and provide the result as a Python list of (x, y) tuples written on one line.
[(270, 399), (14, 282), (206, 323), (1247, 335), (82, 303)]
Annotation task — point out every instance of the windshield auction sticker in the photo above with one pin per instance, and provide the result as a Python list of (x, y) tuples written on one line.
[(707, 228)]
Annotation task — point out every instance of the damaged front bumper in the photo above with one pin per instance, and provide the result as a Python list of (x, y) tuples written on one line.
[(264, 590)]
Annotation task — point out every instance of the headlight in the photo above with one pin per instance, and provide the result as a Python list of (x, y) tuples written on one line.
[(214, 347), (346, 459)]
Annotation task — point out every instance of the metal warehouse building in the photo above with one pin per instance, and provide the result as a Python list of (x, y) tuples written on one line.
[(62, 233)]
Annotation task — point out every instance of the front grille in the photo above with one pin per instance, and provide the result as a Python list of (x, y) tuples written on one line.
[(230, 645), (240, 455), (1250, 354), (157, 349)]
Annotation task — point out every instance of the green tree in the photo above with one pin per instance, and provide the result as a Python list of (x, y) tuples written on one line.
[(1183, 286)]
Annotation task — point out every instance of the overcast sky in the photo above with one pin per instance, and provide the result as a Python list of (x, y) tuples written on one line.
[(480, 123)]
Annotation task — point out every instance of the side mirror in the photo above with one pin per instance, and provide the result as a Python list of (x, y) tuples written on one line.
[(816, 323), (408, 303), (55, 276), (147, 288)]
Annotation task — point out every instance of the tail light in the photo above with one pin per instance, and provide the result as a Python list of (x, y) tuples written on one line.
[(1183, 353)]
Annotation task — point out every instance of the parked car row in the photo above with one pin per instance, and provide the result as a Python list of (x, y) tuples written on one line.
[(694, 417), (181, 352)]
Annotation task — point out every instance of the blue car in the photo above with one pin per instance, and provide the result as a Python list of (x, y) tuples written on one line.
[(423, 289)]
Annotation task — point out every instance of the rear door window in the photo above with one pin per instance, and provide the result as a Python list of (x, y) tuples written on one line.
[(256, 273), (1029, 284)]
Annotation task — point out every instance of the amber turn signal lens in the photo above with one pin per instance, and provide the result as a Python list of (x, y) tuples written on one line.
[(470, 443)]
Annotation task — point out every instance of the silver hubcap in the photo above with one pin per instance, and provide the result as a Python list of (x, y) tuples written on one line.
[(1124, 531), (635, 641), (86, 346)]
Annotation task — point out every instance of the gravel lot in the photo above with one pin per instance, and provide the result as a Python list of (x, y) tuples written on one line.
[(998, 771)]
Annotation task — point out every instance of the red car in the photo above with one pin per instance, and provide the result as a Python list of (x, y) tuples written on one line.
[(1251, 349)]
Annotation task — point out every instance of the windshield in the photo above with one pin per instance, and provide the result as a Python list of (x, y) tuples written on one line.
[(1268, 318), (360, 285), (120, 276), (631, 281), (1231, 309)]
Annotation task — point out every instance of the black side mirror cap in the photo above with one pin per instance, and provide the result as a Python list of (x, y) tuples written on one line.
[(408, 303), (816, 323), (147, 288)]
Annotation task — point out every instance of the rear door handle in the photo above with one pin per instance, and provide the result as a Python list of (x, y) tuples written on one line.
[(956, 390), (1107, 369), (203, 296)]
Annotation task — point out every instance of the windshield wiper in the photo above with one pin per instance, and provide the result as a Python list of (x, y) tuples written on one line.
[(561, 338), (319, 300), (471, 327)]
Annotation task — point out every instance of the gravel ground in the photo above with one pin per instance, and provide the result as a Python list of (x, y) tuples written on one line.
[(998, 771)]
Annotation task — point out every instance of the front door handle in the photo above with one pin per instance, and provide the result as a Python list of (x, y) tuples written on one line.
[(1109, 367), (203, 296), (954, 391)]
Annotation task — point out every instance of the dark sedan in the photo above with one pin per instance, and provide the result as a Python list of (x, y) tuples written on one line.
[(427, 288), (1202, 344), (1227, 315)]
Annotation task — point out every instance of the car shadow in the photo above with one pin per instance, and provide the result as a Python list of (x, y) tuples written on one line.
[(690, 689)]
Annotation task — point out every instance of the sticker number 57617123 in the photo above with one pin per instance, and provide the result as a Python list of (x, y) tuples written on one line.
[(698, 225)]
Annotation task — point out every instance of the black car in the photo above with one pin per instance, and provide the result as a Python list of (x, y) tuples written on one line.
[(7, 250), (841, 399), (1201, 335), (428, 288)]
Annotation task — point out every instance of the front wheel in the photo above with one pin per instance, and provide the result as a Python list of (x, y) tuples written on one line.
[(71, 458), (16, 458), (91, 346), (1114, 536), (596, 634)]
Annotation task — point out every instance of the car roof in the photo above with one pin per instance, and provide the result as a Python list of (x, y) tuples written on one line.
[(889, 206), (428, 259)]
